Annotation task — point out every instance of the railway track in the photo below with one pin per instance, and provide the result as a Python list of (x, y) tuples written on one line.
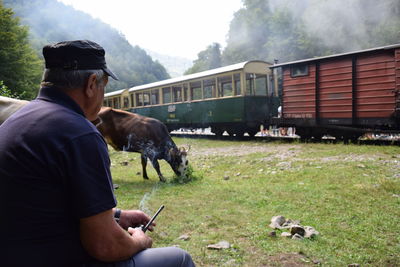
[(284, 139)]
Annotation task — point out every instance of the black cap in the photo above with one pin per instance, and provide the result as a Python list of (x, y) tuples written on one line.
[(76, 55)]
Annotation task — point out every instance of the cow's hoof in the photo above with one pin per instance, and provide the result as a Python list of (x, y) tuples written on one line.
[(146, 178), (162, 179)]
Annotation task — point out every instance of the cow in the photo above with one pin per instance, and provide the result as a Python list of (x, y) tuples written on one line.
[(8, 106), (126, 131)]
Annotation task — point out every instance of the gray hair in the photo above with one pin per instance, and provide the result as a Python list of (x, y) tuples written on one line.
[(69, 79)]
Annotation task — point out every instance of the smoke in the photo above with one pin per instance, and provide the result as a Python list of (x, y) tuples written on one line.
[(342, 25)]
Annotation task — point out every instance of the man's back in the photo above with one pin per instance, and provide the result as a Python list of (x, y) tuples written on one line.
[(39, 187)]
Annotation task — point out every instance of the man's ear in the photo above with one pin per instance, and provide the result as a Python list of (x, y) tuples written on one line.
[(91, 86)]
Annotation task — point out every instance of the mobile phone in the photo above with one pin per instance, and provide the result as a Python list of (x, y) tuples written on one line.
[(144, 228)]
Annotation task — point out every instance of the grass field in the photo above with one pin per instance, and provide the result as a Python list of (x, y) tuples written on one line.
[(349, 193)]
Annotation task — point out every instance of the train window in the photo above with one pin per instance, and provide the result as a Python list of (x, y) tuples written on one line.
[(299, 70), (126, 102), (260, 85), (139, 99), (185, 92), (105, 103), (116, 102), (146, 99), (225, 86), (250, 83), (195, 88), (155, 97), (209, 88), (133, 99), (110, 103), (177, 93), (237, 87), (166, 95)]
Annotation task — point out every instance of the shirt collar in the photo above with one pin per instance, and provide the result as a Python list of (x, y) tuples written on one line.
[(54, 95)]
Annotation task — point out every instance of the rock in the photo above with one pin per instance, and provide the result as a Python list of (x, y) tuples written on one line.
[(354, 265), (124, 163), (220, 245), (138, 173), (184, 237), (116, 186), (297, 229), (226, 177), (163, 234), (286, 234), (297, 237), (277, 222), (310, 232), (237, 174)]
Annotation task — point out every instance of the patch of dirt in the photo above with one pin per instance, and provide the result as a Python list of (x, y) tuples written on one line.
[(282, 151), (290, 259)]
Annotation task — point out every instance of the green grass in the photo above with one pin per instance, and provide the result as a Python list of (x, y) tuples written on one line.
[(349, 193)]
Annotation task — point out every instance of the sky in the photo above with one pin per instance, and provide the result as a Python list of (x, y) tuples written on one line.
[(170, 27)]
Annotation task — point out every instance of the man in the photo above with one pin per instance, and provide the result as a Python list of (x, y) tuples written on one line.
[(56, 192)]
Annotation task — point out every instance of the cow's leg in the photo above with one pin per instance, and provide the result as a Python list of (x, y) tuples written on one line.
[(144, 163), (157, 167)]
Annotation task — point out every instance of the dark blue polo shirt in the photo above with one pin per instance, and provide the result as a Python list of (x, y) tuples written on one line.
[(54, 170)]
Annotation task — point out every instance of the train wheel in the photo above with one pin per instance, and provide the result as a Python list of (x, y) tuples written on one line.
[(304, 133), (239, 133), (252, 132), (217, 131)]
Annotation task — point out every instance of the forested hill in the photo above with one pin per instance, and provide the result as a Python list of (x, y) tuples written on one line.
[(50, 21)]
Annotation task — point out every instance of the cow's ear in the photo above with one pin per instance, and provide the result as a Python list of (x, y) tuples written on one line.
[(172, 152)]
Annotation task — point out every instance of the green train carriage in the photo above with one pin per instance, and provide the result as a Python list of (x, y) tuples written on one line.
[(238, 98)]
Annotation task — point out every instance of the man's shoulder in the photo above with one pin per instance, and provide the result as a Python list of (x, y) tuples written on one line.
[(52, 119)]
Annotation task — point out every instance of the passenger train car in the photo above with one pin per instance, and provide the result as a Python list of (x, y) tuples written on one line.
[(343, 95), (236, 98)]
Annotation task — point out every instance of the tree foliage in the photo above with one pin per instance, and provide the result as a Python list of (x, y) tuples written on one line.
[(20, 67), (51, 21), (296, 29), (209, 58)]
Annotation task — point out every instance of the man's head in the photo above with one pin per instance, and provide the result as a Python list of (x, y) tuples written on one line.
[(79, 69)]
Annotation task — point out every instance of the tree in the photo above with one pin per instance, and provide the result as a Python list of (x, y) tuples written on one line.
[(4, 91), (296, 29), (20, 67), (207, 59)]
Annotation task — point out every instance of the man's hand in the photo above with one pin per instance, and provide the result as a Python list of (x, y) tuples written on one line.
[(106, 241), (144, 240), (134, 218)]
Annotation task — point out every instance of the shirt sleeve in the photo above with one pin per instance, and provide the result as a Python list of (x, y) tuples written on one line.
[(89, 177)]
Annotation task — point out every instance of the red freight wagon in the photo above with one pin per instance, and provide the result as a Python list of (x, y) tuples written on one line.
[(342, 95)]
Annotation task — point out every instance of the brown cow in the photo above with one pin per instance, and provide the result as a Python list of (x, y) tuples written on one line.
[(126, 131), (8, 106)]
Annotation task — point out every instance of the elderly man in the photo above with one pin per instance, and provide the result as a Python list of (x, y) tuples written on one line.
[(56, 192)]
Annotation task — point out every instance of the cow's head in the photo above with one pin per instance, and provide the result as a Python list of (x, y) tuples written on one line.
[(179, 161)]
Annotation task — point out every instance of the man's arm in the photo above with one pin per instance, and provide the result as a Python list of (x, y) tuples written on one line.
[(106, 241)]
